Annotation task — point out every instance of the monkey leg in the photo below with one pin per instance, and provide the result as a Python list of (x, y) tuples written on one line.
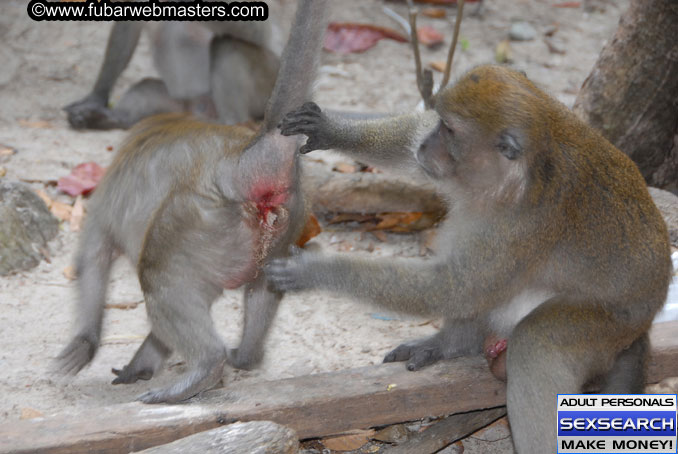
[(261, 304), (628, 372), (148, 358), (178, 307), (556, 349), (456, 338)]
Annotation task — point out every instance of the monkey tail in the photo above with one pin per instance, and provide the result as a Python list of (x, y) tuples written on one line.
[(299, 62)]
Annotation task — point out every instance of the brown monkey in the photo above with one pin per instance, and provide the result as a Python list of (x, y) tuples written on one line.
[(210, 69), (552, 242), (200, 207)]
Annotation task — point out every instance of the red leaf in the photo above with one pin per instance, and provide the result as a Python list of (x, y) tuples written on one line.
[(345, 38), (429, 36), (82, 179)]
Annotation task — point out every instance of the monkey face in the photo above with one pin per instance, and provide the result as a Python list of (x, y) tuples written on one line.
[(481, 163), (436, 155)]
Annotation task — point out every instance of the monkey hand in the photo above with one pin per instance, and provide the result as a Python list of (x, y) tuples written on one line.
[(290, 273), (310, 121)]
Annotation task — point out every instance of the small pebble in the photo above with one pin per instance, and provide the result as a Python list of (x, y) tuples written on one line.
[(522, 31)]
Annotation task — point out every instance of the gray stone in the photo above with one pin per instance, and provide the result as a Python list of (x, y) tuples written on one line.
[(522, 31), (26, 225)]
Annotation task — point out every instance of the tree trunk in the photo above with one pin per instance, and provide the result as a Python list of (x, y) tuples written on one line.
[(631, 95)]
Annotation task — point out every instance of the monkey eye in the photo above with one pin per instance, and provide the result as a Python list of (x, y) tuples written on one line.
[(509, 146)]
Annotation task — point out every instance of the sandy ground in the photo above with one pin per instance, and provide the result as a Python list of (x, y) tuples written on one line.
[(47, 65)]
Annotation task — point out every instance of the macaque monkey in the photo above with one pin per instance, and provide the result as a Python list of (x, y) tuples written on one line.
[(223, 70), (199, 207), (552, 242)]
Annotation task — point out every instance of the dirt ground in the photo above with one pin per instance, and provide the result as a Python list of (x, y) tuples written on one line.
[(50, 64)]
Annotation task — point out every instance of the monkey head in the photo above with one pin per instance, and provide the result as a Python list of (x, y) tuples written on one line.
[(488, 133)]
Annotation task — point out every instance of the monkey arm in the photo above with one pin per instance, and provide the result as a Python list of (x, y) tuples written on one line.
[(407, 285), (121, 45), (389, 142)]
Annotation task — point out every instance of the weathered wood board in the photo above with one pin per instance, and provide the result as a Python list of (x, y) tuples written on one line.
[(313, 405)]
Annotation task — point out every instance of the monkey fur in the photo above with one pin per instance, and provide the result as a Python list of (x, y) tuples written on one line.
[(199, 207), (552, 242), (221, 69)]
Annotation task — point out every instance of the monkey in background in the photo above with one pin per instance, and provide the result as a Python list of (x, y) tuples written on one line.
[(199, 207), (551, 241), (223, 70)]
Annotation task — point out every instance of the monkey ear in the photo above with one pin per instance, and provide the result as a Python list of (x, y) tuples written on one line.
[(509, 145)]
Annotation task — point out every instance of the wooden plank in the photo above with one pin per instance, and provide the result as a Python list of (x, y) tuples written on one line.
[(313, 405)]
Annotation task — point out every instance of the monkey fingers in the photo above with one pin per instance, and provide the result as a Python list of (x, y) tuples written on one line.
[(284, 274), (310, 121)]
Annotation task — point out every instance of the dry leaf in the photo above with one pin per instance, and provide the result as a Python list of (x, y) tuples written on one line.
[(61, 211), (77, 214), (429, 36), (30, 413), (350, 442), (438, 65), (352, 217), (123, 306), (436, 13), (311, 229), (69, 273), (109, 148), (7, 151), (3, 171), (347, 37), (41, 124), (82, 179)]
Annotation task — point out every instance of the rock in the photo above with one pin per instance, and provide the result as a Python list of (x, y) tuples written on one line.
[(256, 437), (667, 203), (26, 225), (522, 31)]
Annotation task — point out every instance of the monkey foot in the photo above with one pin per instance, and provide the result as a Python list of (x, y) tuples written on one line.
[(188, 385), (495, 354), (417, 354), (89, 114), (127, 375)]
